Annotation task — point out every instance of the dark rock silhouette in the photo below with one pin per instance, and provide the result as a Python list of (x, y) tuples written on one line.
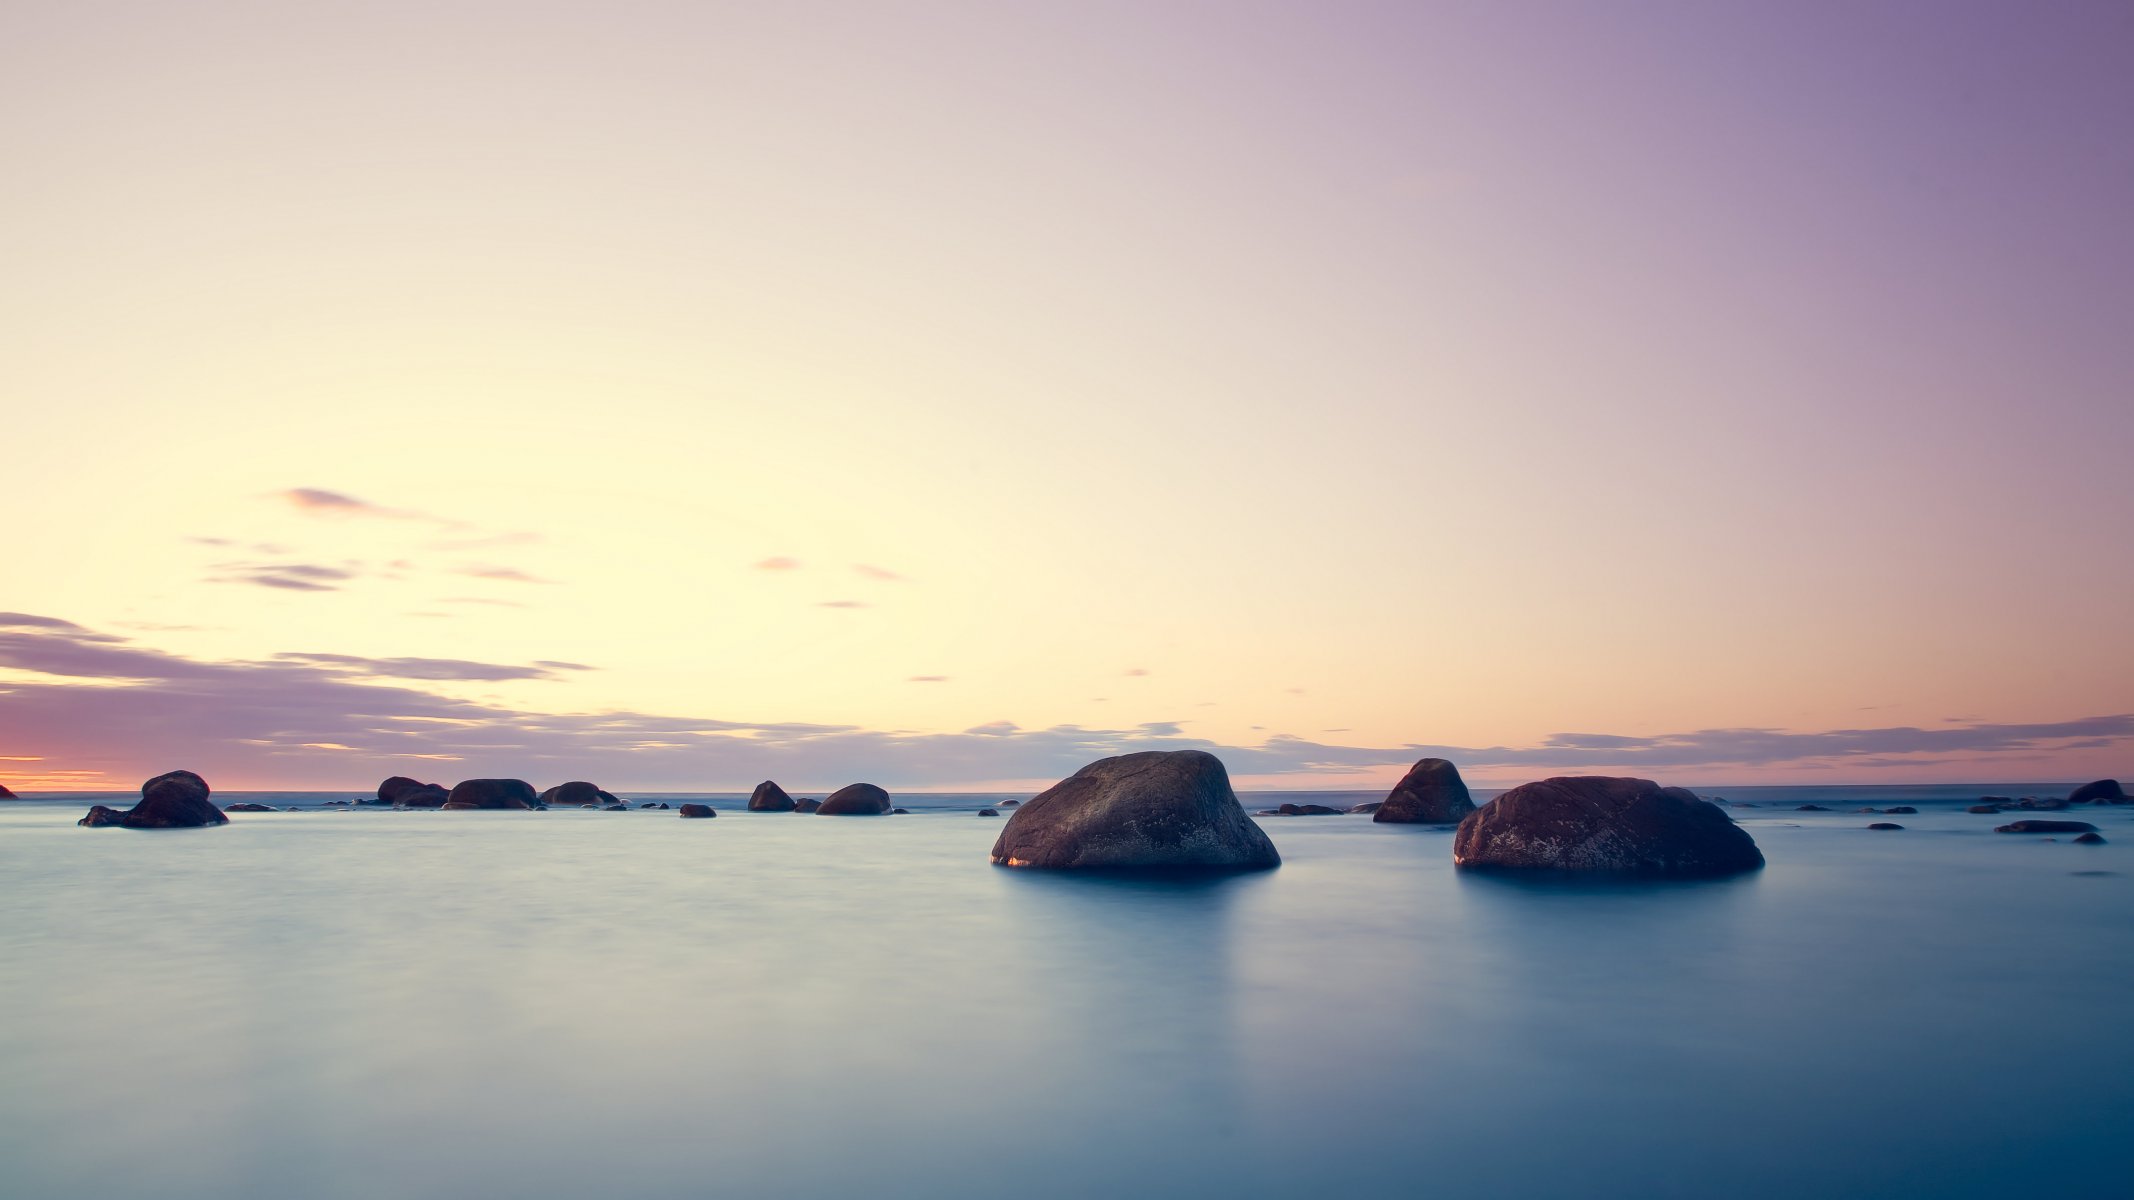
[(248, 806), (1884, 825), (2102, 789), (1983, 808), (1900, 810), (1431, 793), (176, 800), (1996, 799), (2046, 827), (899, 812), (1810, 808), (806, 806), (491, 793), (618, 806), (7, 795), (855, 800), (577, 791), (1599, 823), (1299, 810), (988, 812), (402, 792), (1153, 810), (769, 797), (1368, 806), (1011, 804), (698, 810), (2090, 839), (1867, 810)]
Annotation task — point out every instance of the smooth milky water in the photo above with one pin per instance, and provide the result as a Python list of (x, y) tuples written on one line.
[(572, 1004)]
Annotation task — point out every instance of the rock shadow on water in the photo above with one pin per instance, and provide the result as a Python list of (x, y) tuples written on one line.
[(1484, 880)]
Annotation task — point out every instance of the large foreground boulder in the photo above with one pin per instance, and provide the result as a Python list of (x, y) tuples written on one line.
[(402, 792), (1432, 793), (177, 800), (769, 797), (855, 800), (577, 791), (1154, 810), (1598, 823), (2102, 790), (491, 793)]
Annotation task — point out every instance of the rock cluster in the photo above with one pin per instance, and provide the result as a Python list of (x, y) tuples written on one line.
[(491, 793), (176, 800)]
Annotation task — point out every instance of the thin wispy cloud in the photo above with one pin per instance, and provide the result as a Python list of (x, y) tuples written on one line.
[(927, 679), (883, 574), (289, 576), (778, 563), (111, 705), (1135, 672), (844, 604), (500, 574), (321, 502)]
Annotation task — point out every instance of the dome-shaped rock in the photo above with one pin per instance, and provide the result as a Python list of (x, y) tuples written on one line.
[(1599, 823), (698, 810), (2046, 827), (769, 797), (1157, 809), (491, 793), (577, 791), (2102, 789), (855, 800), (402, 792), (1431, 793)]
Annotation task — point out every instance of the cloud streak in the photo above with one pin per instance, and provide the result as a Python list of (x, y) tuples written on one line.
[(107, 705)]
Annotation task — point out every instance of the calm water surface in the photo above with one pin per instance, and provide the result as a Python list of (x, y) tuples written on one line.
[(570, 1004)]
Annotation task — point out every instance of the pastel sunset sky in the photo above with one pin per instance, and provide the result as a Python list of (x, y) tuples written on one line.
[(679, 395)]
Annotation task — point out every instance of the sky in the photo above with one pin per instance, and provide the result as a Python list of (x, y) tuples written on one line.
[(679, 395)]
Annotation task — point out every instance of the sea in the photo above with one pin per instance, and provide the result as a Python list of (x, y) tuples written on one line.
[(357, 1003)]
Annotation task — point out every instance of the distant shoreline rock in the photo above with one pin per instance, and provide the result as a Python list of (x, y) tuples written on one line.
[(402, 792), (1431, 793), (1604, 824), (2046, 827), (1155, 810), (855, 800), (769, 797), (491, 794), (698, 810), (2101, 791), (577, 791), (174, 800)]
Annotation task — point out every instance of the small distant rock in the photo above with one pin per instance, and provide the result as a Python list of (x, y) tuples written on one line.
[(1011, 803), (1811, 808), (698, 810), (2090, 839), (2046, 827), (578, 792), (988, 812), (769, 797), (1867, 810), (1983, 808), (650, 804), (1431, 793), (899, 812), (1901, 810), (1742, 804), (806, 806), (618, 806), (491, 793), (1884, 825), (855, 800), (1299, 810), (1996, 799), (2106, 790), (248, 806)]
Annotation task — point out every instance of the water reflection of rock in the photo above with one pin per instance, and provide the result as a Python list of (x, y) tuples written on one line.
[(1135, 1023)]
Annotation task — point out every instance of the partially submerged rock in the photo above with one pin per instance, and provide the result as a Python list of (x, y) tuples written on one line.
[(1299, 810), (2046, 827), (248, 806), (1153, 810), (176, 800), (698, 810), (1901, 809), (806, 806), (2105, 790), (1011, 804), (1810, 808), (1599, 823), (769, 797), (577, 791), (2090, 839), (402, 792), (1431, 793), (491, 793), (988, 812), (855, 800), (1884, 825), (1983, 808)]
